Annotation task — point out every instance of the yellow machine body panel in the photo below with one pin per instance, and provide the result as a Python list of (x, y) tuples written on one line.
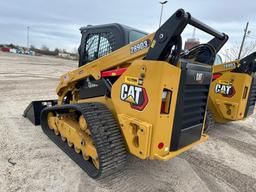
[(146, 128), (229, 92)]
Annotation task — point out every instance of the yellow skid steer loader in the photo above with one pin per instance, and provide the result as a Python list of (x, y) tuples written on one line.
[(142, 98), (233, 91)]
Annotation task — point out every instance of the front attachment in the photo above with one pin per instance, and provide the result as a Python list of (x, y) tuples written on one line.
[(33, 110)]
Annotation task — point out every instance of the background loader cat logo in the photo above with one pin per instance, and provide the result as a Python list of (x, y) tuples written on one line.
[(136, 96), (227, 90), (199, 77)]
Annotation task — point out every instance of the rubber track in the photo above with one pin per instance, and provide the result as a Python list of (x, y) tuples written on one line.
[(209, 121), (105, 133)]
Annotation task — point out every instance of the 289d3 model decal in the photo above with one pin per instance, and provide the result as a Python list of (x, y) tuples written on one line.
[(140, 46)]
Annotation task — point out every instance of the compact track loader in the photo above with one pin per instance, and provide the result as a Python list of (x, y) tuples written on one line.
[(233, 91), (142, 98)]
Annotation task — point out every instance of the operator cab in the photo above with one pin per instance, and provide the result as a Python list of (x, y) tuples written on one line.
[(100, 40)]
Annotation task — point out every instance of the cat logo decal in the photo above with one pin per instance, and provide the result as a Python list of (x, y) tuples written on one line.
[(136, 96)]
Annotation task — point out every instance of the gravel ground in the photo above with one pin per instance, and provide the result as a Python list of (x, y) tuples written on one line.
[(30, 162)]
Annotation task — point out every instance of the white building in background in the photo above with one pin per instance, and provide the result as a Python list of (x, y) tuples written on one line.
[(65, 55), (13, 51)]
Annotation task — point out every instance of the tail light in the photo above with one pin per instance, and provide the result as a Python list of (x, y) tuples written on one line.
[(166, 101), (160, 145), (245, 92)]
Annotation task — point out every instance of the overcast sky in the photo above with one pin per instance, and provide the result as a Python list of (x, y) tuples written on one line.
[(56, 23)]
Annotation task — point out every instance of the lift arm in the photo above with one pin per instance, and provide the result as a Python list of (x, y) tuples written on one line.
[(169, 33)]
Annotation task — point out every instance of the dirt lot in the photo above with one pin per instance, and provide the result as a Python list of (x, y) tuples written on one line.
[(30, 162)]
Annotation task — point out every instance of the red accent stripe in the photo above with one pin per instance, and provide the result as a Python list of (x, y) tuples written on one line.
[(216, 76), (115, 72)]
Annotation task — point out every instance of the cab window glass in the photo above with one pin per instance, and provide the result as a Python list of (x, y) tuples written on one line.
[(91, 47), (98, 45), (135, 35), (218, 60), (107, 44)]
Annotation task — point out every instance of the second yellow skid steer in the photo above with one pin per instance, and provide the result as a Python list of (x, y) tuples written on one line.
[(144, 98), (233, 91)]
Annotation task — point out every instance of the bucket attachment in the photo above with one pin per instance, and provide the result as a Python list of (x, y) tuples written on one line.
[(33, 110)]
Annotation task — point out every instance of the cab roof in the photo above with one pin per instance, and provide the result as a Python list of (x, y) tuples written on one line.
[(118, 26)]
